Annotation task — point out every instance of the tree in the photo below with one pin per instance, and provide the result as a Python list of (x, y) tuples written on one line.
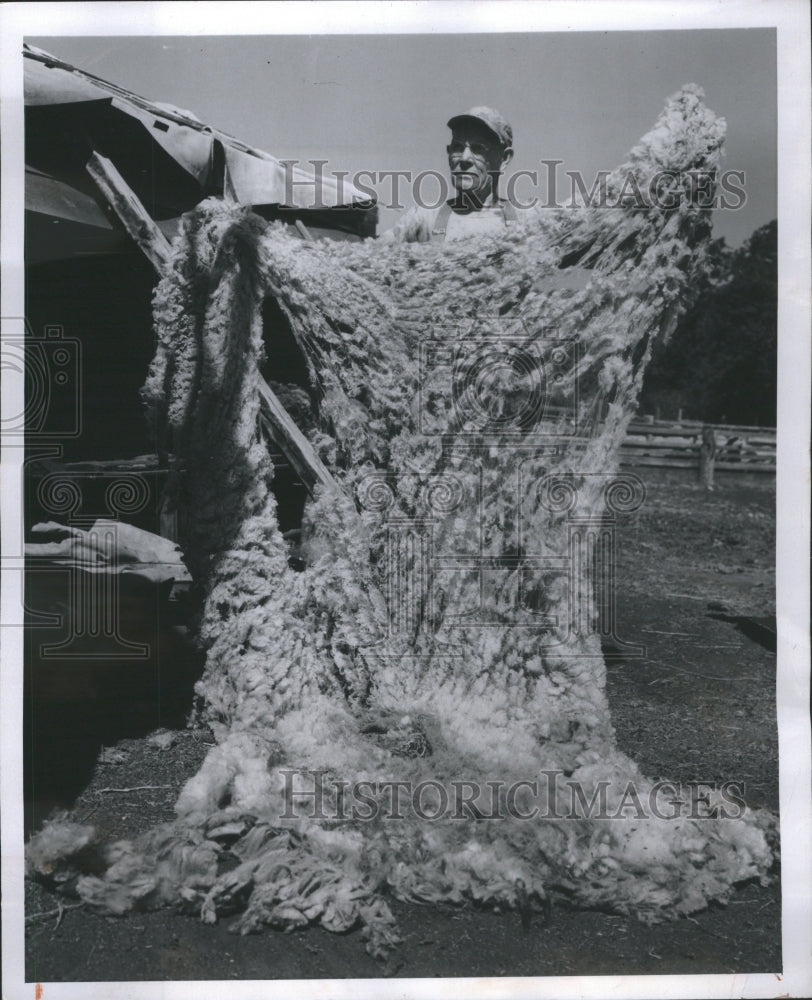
[(720, 365)]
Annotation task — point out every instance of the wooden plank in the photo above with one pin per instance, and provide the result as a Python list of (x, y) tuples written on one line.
[(742, 429), (669, 463), (675, 448), (633, 456), (304, 232), (135, 218), (627, 456), (675, 443), (629, 461), (141, 463), (141, 227), (730, 454), (295, 446), (653, 431), (681, 460), (694, 426)]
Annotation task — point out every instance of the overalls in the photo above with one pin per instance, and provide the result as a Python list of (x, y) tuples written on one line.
[(441, 222)]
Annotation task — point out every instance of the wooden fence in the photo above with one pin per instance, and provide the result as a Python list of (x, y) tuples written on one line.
[(677, 444)]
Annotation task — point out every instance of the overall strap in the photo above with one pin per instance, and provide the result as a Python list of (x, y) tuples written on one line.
[(444, 214), (441, 222)]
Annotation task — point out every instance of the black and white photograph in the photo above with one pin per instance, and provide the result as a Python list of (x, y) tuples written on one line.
[(405, 500)]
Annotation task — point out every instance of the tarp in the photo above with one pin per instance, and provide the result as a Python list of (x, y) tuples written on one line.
[(169, 158)]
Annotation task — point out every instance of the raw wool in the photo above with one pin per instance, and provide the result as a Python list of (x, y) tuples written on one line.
[(58, 840), (364, 667)]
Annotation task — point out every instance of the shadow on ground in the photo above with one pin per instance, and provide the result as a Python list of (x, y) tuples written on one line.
[(91, 687), (697, 705)]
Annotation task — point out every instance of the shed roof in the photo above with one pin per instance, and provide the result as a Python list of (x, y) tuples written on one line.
[(169, 158)]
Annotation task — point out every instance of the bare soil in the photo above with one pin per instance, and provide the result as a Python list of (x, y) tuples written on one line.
[(693, 570)]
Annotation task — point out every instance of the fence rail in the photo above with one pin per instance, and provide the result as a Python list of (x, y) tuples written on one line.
[(678, 444), (675, 444)]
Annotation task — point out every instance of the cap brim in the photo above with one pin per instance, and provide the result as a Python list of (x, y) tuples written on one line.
[(472, 119)]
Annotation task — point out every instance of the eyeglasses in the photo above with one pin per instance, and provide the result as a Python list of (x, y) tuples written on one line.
[(457, 146)]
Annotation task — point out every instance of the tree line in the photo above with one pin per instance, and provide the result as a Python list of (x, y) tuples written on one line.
[(720, 364)]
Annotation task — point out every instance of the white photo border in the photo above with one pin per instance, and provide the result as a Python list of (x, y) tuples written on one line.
[(791, 19)]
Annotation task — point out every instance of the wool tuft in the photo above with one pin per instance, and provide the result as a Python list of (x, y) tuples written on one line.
[(444, 632)]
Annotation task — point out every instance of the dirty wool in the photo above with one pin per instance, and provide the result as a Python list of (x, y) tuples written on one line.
[(414, 707)]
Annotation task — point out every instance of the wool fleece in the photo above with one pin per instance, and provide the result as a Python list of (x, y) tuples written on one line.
[(415, 707)]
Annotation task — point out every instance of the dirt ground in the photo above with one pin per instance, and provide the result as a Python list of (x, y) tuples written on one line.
[(693, 571)]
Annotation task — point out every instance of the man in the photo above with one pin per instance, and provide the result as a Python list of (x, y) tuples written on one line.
[(480, 148)]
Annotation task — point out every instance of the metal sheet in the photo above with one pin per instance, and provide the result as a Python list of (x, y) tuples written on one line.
[(49, 196)]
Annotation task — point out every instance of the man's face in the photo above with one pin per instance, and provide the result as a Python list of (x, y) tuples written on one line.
[(475, 158)]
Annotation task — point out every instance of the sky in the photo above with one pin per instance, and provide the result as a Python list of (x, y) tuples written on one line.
[(381, 102)]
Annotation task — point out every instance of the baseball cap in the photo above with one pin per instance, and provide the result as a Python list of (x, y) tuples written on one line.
[(491, 118)]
